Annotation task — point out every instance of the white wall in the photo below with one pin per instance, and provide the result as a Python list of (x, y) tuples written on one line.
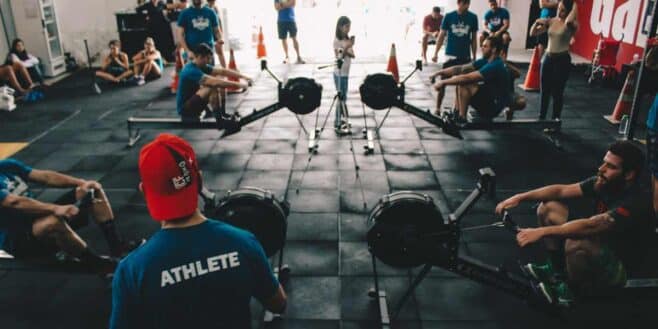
[(93, 20)]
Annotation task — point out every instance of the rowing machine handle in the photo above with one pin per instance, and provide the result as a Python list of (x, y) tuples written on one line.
[(86, 199), (509, 223)]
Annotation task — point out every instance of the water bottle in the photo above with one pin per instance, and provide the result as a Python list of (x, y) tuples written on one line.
[(623, 125)]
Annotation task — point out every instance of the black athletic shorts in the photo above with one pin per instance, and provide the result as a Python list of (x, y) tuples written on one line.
[(193, 107), (22, 242), (455, 62), (542, 39), (115, 70), (286, 27), (483, 102)]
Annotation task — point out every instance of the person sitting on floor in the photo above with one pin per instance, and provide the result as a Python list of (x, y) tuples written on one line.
[(592, 249), (8, 76), (115, 67), (200, 85), (31, 228), (26, 64), (147, 64), (482, 84)]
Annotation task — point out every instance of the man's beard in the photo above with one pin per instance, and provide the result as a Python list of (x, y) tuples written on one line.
[(609, 185)]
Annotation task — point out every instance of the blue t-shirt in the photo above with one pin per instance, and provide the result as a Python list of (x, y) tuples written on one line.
[(201, 276), (188, 83), (286, 14), (13, 177), (198, 24), (496, 77), (547, 12), (460, 30), (653, 115), (494, 19)]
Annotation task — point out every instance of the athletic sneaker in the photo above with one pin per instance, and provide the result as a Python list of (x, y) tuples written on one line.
[(343, 130), (558, 294), (460, 121), (540, 272), (140, 80), (509, 114)]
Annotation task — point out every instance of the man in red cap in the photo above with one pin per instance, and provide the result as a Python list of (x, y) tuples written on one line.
[(194, 272)]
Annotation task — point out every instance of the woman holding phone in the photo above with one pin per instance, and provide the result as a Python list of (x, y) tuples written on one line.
[(344, 52)]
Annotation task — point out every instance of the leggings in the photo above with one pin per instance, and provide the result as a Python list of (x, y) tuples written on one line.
[(341, 85), (554, 74)]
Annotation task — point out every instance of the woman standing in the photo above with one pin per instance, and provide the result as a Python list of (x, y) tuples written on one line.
[(344, 52), (556, 64)]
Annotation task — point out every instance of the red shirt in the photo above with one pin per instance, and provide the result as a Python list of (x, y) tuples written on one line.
[(432, 24)]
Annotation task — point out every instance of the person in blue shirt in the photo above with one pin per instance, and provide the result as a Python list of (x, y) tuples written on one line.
[(30, 228), (548, 11), (496, 23), (460, 27), (200, 83), (483, 84), (548, 8), (195, 272), (199, 24), (286, 26)]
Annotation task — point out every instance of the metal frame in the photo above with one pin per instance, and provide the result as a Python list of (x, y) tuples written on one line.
[(135, 124), (450, 128), (481, 272)]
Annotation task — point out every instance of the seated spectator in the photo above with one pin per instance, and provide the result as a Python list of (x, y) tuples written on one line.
[(24, 63), (115, 67), (32, 228), (483, 84), (431, 29), (8, 76), (200, 84), (147, 64), (496, 24)]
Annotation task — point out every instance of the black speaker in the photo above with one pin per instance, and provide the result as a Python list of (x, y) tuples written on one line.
[(132, 32)]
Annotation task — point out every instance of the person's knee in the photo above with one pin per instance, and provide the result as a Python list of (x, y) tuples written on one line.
[(49, 227), (205, 92), (552, 213), (17, 65)]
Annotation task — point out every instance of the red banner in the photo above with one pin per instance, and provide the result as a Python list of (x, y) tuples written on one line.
[(622, 20)]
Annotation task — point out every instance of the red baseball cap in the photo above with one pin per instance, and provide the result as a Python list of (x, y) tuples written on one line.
[(170, 177)]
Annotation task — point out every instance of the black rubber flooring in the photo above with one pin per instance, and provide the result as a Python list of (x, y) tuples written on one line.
[(86, 136)]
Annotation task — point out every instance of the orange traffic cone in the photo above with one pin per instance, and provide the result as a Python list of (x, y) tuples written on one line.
[(532, 78), (178, 67), (393, 64), (232, 66), (260, 50), (625, 100)]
